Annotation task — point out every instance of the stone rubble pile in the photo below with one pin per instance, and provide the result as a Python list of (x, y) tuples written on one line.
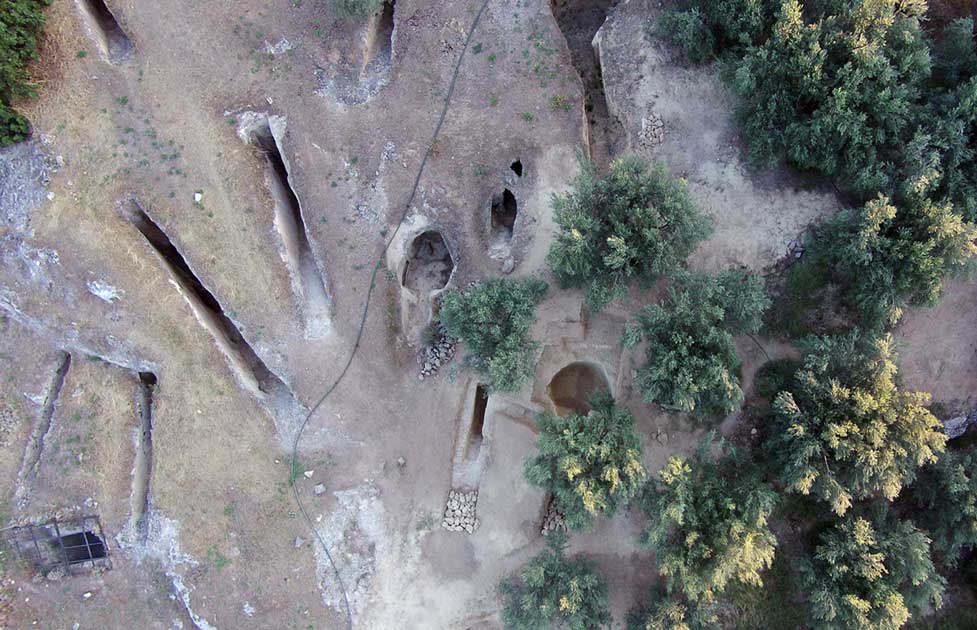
[(459, 512), (652, 131), (431, 358), (553, 519)]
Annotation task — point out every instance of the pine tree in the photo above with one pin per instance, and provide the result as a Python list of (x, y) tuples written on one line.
[(870, 574), (886, 255), (632, 225), (591, 463), (708, 524), (692, 361), (493, 318), (946, 493), (845, 431), (674, 613), (554, 591)]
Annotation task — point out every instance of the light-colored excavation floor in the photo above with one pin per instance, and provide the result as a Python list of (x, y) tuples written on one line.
[(223, 545)]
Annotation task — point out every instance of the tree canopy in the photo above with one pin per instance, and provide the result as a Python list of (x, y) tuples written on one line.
[(670, 612), (555, 591), (886, 255), (635, 224), (708, 524), (493, 318), (946, 493), (870, 574), (845, 431), (591, 463), (20, 24), (691, 359)]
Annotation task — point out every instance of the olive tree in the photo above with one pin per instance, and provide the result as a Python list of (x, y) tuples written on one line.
[(870, 573), (493, 319), (946, 493), (708, 524), (691, 359), (634, 224)]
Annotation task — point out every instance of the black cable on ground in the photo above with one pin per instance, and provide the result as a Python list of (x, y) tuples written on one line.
[(366, 310)]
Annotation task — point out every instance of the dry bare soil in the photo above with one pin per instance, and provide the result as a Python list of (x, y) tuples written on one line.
[(188, 244)]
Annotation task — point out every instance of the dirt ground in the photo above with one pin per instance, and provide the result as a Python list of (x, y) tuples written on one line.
[(204, 533)]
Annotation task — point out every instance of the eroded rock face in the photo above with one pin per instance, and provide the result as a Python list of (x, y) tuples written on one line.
[(24, 173), (956, 427)]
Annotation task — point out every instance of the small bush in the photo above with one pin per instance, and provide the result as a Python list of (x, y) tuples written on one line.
[(591, 464), (555, 591), (635, 224), (493, 319), (358, 9)]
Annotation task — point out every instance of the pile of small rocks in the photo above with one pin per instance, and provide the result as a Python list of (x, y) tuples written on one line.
[(554, 519), (459, 513), (652, 131), (430, 358)]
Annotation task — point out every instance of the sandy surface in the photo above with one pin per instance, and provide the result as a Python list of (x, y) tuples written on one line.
[(224, 545)]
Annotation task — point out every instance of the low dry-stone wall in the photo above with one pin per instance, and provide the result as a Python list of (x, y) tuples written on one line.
[(459, 512), (431, 358), (553, 519)]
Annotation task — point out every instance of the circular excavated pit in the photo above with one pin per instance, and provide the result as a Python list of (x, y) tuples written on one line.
[(429, 263), (572, 385)]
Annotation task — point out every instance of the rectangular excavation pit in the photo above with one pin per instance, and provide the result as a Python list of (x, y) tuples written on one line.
[(32, 454), (249, 370), (473, 446), (112, 41), (378, 41), (308, 282), (143, 465), (75, 545)]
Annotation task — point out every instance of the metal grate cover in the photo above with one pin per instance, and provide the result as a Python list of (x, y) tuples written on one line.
[(76, 545)]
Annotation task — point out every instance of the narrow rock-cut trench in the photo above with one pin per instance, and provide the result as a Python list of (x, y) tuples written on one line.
[(143, 465), (474, 447), (35, 445), (579, 20), (114, 44), (308, 281), (378, 43), (249, 370)]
